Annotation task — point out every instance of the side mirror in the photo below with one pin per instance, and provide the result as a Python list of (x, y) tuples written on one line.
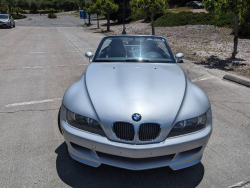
[(89, 55), (178, 57)]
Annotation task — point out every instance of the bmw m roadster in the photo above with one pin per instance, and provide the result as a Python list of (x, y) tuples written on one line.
[(134, 108)]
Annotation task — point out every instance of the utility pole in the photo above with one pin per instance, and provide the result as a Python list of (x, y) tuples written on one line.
[(124, 28)]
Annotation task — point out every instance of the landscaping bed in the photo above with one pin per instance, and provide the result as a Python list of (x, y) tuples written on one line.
[(206, 44), (18, 16)]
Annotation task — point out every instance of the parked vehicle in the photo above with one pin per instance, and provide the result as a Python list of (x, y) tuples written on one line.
[(134, 108), (6, 21), (195, 4)]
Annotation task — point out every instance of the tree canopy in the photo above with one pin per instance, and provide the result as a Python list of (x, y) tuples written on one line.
[(108, 7), (240, 9), (150, 7)]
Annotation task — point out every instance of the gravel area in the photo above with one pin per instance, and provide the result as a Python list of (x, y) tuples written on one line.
[(208, 45)]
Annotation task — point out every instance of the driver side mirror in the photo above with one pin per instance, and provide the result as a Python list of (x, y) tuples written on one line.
[(178, 57), (89, 55)]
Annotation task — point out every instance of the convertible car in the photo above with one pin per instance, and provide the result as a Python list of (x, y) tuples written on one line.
[(134, 108)]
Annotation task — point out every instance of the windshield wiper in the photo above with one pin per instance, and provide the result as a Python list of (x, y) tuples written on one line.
[(139, 60)]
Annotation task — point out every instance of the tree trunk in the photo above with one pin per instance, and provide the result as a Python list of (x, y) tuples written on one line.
[(98, 22), (89, 20), (236, 35), (108, 23), (152, 24)]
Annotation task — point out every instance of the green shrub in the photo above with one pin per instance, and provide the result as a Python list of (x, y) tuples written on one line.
[(18, 16), (244, 27), (191, 18), (138, 16), (50, 15)]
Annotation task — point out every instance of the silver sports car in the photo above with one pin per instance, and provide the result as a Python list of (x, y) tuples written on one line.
[(134, 108)]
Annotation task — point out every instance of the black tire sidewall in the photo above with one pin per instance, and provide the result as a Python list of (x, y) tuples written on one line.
[(58, 121)]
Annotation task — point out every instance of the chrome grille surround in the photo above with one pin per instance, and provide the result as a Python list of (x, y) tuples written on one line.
[(123, 131), (149, 131)]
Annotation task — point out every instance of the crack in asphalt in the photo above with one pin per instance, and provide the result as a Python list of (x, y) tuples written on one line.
[(39, 110)]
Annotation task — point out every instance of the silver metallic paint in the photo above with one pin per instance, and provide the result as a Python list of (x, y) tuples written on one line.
[(160, 92)]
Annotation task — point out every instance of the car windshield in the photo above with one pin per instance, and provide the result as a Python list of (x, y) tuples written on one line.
[(134, 49), (3, 17), (197, 2)]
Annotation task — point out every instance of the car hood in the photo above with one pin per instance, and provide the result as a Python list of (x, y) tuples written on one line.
[(118, 90)]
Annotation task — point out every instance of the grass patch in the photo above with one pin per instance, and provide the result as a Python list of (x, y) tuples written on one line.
[(191, 18), (18, 16)]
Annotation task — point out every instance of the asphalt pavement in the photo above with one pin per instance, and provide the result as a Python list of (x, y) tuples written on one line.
[(41, 58)]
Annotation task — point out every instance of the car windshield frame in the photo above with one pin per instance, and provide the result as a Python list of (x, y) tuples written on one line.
[(4, 17), (169, 53)]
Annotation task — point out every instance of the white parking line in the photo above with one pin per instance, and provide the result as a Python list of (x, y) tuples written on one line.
[(43, 67), (243, 184), (53, 52), (32, 102)]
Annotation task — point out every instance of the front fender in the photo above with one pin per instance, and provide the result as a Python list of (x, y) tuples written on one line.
[(77, 100), (195, 103)]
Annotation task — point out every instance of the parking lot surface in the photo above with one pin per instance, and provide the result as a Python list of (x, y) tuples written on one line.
[(40, 59)]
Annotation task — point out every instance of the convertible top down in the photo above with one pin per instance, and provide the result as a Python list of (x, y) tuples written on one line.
[(134, 108)]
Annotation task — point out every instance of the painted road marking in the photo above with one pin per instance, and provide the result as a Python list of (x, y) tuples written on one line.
[(53, 52), (243, 184), (44, 67), (33, 102)]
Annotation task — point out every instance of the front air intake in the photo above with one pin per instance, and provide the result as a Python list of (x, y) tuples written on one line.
[(149, 131), (124, 131)]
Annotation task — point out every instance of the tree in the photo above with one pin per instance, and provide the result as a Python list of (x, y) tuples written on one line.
[(119, 14), (3, 6), (23, 4), (52, 10), (87, 8), (95, 9), (11, 3), (34, 5), (17, 10), (237, 7), (150, 7), (108, 7)]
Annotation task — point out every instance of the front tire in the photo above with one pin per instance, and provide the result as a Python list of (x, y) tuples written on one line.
[(14, 25), (58, 121)]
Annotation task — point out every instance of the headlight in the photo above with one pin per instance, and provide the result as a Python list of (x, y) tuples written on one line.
[(84, 123), (189, 126)]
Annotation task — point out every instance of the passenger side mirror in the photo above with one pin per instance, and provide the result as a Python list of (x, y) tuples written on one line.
[(89, 55), (178, 57)]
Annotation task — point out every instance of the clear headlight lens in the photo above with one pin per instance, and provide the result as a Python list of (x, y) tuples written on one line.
[(84, 123), (189, 126)]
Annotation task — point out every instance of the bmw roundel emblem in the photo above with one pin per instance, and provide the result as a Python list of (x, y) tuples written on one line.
[(136, 117)]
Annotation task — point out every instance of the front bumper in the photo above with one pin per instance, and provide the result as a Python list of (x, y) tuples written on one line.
[(94, 150), (5, 24)]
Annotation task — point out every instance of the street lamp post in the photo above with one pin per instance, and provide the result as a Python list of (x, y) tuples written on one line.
[(124, 28)]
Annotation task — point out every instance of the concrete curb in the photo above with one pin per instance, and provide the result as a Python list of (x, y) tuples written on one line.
[(244, 82)]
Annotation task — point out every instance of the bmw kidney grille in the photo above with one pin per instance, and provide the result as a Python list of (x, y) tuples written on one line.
[(147, 131), (124, 131)]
